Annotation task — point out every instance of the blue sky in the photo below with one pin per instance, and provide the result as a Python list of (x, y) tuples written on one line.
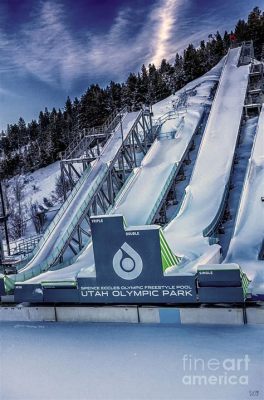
[(50, 48)]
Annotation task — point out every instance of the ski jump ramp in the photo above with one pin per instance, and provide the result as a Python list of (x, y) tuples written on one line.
[(142, 191), (65, 221), (189, 233), (248, 237)]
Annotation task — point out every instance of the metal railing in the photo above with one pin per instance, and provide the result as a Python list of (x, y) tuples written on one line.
[(246, 182), (165, 117), (108, 126), (27, 245), (247, 53)]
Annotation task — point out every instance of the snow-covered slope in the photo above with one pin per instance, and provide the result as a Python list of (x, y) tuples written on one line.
[(248, 234), (204, 195), (35, 187), (39, 184)]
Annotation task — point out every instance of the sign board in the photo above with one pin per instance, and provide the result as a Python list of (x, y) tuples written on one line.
[(129, 266)]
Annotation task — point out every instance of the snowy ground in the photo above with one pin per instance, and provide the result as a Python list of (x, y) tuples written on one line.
[(111, 361), (40, 183), (36, 186)]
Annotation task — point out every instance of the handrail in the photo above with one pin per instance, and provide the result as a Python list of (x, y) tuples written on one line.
[(165, 117), (246, 47), (107, 127), (71, 153)]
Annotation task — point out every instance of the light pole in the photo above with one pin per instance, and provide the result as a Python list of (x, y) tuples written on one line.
[(122, 147), (3, 217), (121, 128)]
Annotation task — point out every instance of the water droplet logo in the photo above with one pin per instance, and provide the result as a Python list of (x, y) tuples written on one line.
[(127, 263)]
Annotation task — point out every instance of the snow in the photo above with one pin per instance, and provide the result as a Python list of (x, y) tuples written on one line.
[(248, 234), (60, 361), (36, 186), (165, 154), (44, 179), (166, 105), (213, 165), (155, 169)]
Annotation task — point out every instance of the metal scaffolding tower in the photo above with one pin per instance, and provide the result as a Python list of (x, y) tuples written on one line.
[(137, 140)]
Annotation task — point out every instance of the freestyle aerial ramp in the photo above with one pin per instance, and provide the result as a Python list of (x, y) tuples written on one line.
[(247, 244), (189, 234), (142, 195), (151, 181), (62, 227)]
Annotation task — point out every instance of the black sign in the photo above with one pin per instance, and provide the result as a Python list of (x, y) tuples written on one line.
[(128, 264)]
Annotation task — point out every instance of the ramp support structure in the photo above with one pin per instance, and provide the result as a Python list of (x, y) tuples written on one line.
[(137, 141)]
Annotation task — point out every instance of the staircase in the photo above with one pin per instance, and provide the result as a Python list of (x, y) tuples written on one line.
[(88, 138)]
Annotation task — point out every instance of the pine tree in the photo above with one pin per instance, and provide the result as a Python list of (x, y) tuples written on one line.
[(241, 31), (167, 70), (22, 134), (114, 95), (93, 107), (219, 47), (33, 130), (203, 57), (179, 75), (226, 40), (129, 92), (191, 63), (144, 83), (256, 29), (43, 120)]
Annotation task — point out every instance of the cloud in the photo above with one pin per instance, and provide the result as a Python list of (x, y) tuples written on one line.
[(43, 47), (164, 18), (6, 92), (47, 48)]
